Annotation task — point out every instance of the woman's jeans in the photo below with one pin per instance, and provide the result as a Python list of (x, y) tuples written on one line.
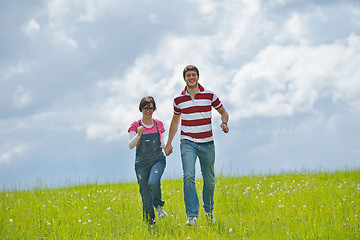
[(206, 153), (148, 174)]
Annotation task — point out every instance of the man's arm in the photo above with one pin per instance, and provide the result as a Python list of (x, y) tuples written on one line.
[(172, 131), (224, 119)]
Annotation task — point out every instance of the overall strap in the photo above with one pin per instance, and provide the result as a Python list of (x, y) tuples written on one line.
[(156, 125), (139, 123)]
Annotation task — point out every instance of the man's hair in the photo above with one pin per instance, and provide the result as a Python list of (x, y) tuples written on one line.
[(190, 68), (146, 101)]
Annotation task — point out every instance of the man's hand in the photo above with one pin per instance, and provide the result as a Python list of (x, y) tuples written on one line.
[(139, 130), (168, 149), (224, 127)]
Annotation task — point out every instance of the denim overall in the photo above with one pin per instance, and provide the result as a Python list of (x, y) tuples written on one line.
[(149, 167)]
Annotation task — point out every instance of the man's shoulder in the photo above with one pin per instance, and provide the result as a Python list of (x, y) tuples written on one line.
[(181, 98)]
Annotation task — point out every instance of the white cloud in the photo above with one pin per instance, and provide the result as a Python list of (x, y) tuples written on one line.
[(154, 18), (6, 155), (31, 27), (12, 71), (21, 98), (294, 29), (61, 36), (284, 80)]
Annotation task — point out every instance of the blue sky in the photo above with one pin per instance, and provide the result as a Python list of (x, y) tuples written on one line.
[(72, 73)]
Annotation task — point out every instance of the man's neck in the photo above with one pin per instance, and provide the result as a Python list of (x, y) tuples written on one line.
[(192, 91)]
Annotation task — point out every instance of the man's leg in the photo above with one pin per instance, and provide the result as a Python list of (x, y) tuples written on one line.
[(207, 161), (188, 158)]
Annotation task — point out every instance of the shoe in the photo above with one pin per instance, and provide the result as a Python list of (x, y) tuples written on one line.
[(191, 221), (160, 211), (210, 217), (151, 222)]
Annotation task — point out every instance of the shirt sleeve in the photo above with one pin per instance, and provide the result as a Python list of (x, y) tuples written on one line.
[(133, 139), (216, 103), (133, 127), (177, 110), (161, 126)]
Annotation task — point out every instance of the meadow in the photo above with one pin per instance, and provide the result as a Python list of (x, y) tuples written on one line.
[(286, 206)]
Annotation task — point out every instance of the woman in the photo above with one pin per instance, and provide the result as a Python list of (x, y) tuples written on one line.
[(147, 135)]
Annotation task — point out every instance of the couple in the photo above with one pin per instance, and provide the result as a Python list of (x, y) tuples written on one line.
[(193, 106)]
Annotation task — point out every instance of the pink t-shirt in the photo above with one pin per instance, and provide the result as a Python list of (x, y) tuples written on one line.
[(134, 125)]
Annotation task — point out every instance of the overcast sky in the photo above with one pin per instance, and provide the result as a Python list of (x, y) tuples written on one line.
[(72, 73)]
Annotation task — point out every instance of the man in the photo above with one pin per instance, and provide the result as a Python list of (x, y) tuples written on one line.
[(194, 106)]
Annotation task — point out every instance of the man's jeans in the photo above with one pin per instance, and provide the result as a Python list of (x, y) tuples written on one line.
[(206, 153)]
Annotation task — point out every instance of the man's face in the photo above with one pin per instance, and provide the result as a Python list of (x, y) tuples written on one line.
[(191, 79)]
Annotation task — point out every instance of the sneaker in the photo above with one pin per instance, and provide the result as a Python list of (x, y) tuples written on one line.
[(151, 222), (191, 221), (210, 217), (160, 212)]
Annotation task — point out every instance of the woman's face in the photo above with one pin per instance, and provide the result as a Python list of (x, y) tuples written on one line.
[(148, 110)]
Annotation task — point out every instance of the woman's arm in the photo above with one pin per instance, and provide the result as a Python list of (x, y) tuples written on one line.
[(133, 139), (162, 140)]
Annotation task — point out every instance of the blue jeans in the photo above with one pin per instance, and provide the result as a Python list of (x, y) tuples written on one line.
[(206, 154), (149, 175)]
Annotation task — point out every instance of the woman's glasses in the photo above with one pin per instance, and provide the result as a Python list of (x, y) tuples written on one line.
[(148, 109)]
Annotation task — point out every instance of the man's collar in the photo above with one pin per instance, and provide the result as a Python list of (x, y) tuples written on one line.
[(201, 89)]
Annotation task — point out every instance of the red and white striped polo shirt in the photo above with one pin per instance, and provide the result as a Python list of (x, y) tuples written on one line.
[(196, 114)]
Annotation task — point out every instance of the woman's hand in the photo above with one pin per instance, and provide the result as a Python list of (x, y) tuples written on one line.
[(139, 130)]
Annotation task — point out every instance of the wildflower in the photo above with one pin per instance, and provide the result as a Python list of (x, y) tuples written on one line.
[(108, 208), (79, 220), (230, 230), (85, 207), (11, 220)]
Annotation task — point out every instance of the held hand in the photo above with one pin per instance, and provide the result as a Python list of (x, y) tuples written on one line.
[(224, 127), (139, 130), (168, 149)]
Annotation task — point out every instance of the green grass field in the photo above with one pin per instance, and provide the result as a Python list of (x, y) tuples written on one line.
[(288, 206)]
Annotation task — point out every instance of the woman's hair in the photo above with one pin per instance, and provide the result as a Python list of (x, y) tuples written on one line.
[(146, 102), (190, 68)]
